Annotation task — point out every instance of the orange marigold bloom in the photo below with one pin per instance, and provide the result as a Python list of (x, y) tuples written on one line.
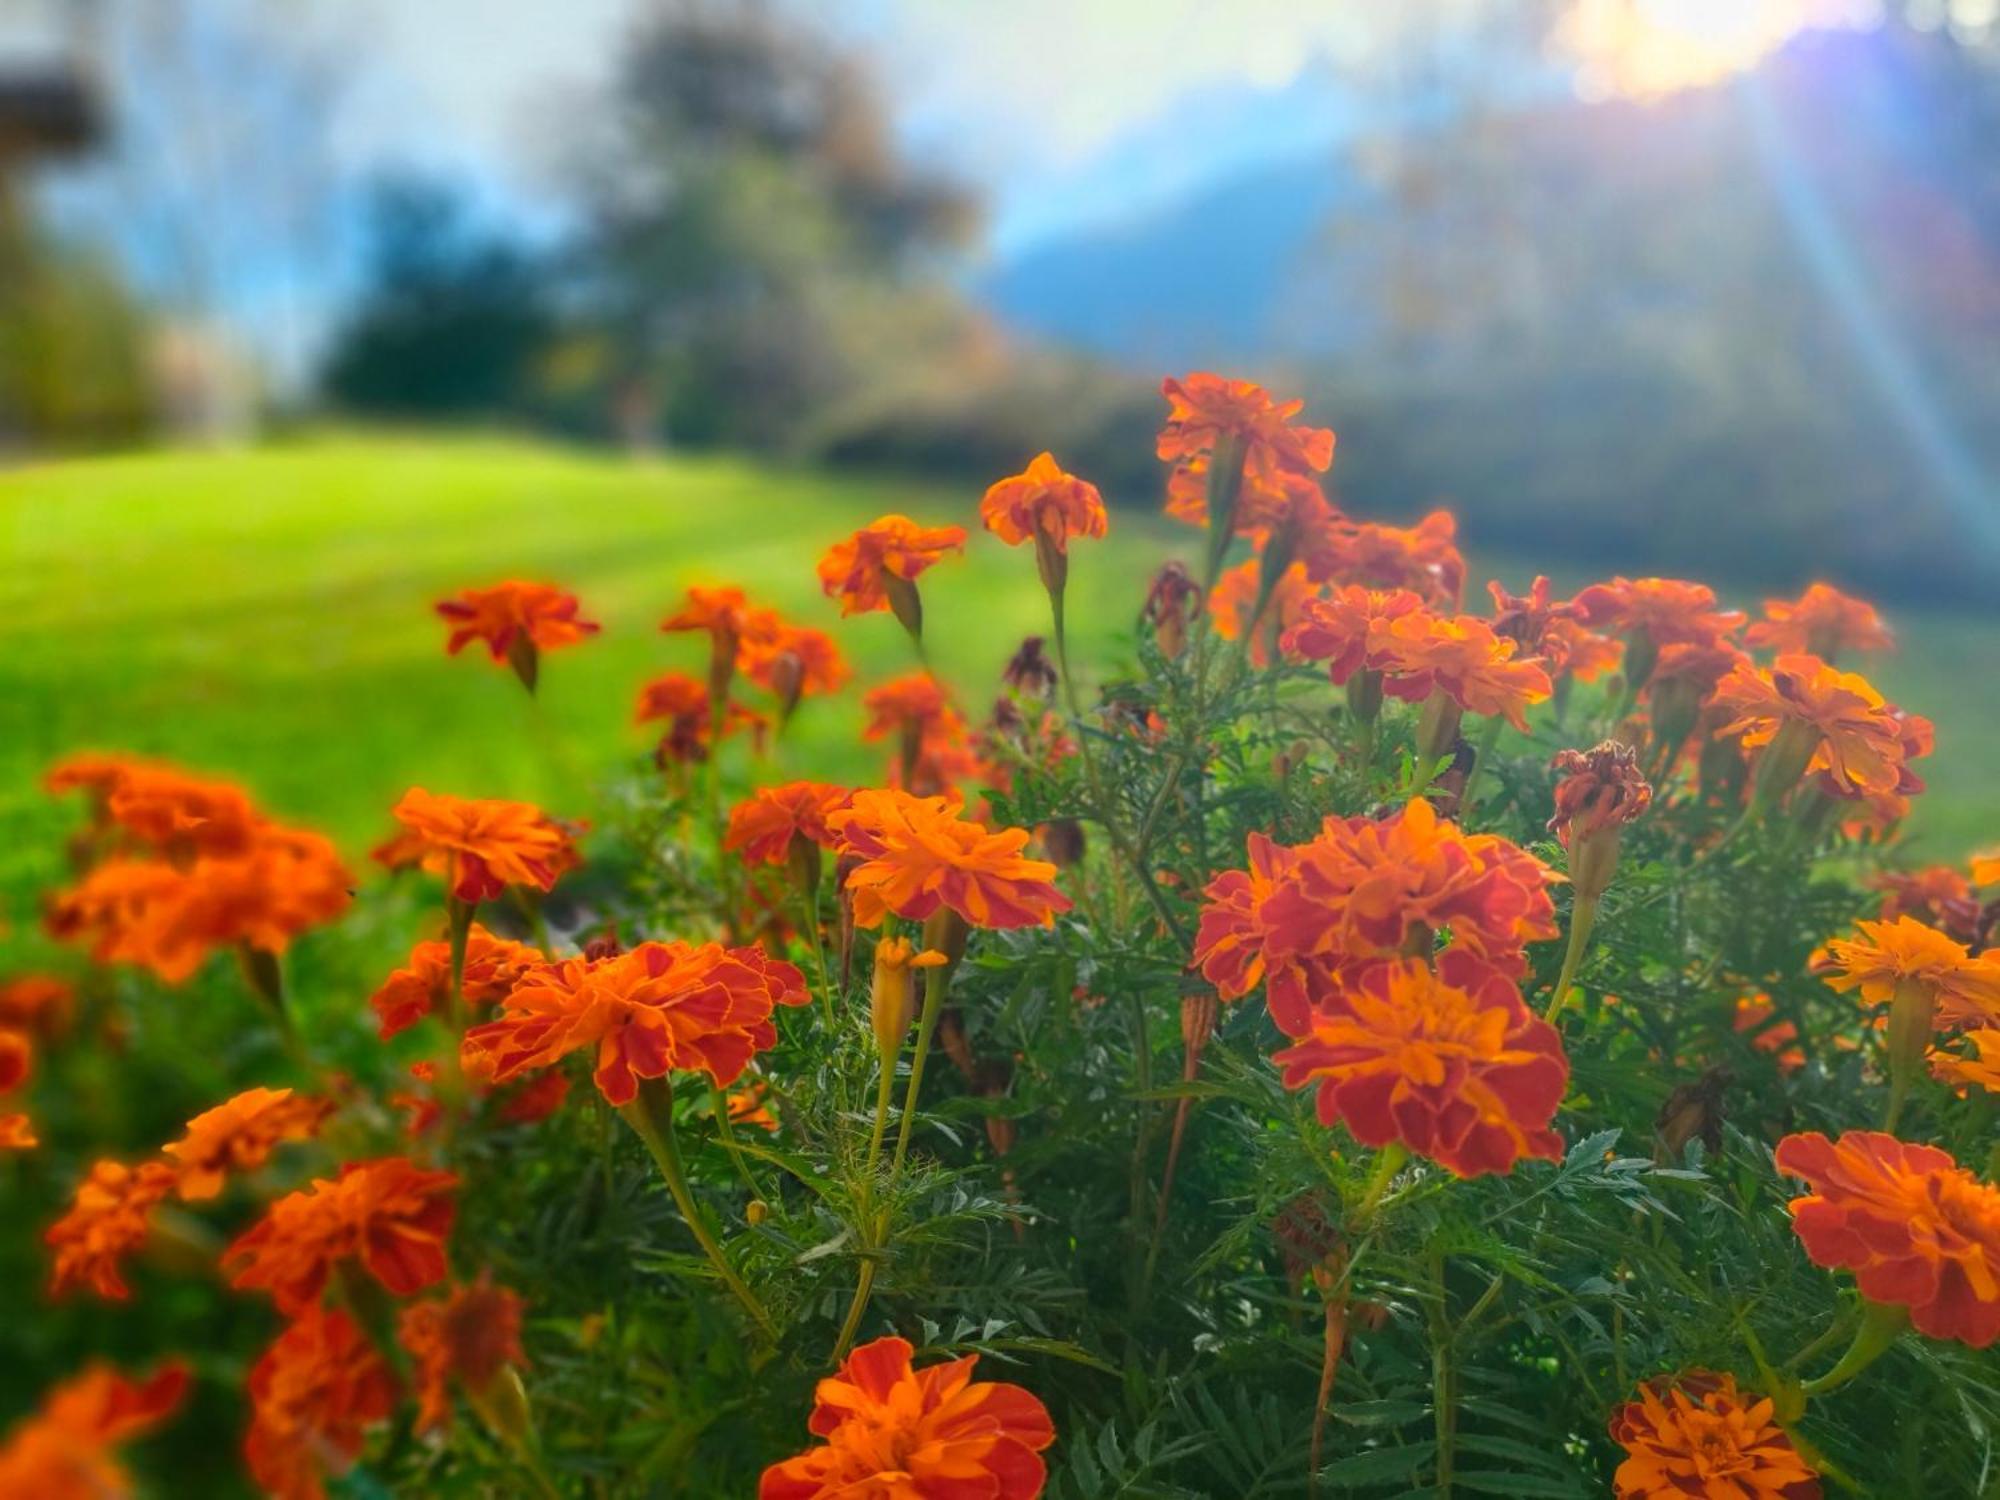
[(751, 1107), (1043, 500), (897, 1433), (17, 1133), (493, 966), (854, 571), (1205, 410), (1751, 1012), (919, 853), (1235, 595), (313, 1396), (1981, 1070), (161, 808), (1450, 1062), (537, 1099), (390, 1213), (1937, 895), (1462, 658), (169, 919), (1546, 628), (646, 1013), (1966, 989), (1822, 622), (1695, 1436), (39, 1004), (539, 614), (1424, 558), (795, 661), (1664, 610), (725, 616), (66, 1450), (110, 1216), (1344, 629), (480, 845), (763, 825), (1915, 1228), (933, 739), (1852, 735), (469, 1335), (17, 1059), (240, 1134)]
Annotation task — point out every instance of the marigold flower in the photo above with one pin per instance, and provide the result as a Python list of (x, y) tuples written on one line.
[(751, 1106), (17, 1133), (1600, 792), (1423, 558), (1546, 628), (646, 1013), (493, 966), (313, 1396), (1882, 811), (932, 737), (763, 826), (240, 1134), (66, 1450), (1915, 1228), (480, 845), (1937, 895), (918, 854), (1695, 1436), (1749, 1017), (895, 1431), (1462, 658), (1044, 501), (1235, 595), (1664, 610), (1237, 948), (1837, 723), (1344, 629), (17, 1059), (1965, 989), (161, 808), (391, 1214), (1205, 411), (111, 1215), (794, 662), (1450, 1062), (1822, 622), (39, 1004), (859, 571), (469, 1335), (1981, 1070), (516, 621)]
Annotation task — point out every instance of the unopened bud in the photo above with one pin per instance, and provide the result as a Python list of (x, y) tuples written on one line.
[(892, 998)]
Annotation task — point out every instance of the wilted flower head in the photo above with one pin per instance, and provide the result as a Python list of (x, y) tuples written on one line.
[(859, 571), (1168, 599), (389, 1213), (656, 1009), (313, 1396), (1600, 792), (516, 621), (239, 1135), (1029, 669), (468, 1335), (493, 966), (480, 846), (919, 854), (67, 1449), (1822, 622), (111, 1216), (892, 1431), (1695, 1435), (1450, 1062), (1915, 1228)]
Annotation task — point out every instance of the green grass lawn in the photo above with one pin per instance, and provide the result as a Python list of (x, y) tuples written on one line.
[(267, 615)]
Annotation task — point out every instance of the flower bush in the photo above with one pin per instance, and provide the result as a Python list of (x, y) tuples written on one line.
[(1340, 1043)]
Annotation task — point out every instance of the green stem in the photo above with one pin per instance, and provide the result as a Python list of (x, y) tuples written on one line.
[(935, 981), (458, 918), (1387, 1163), (658, 1134), (1489, 738), (1444, 1377), (1582, 917), (719, 1102), (1881, 1324), (871, 1232)]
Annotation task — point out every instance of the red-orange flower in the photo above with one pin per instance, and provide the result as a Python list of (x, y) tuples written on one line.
[(1915, 1228), (934, 750), (240, 1134), (111, 1215), (855, 571), (1835, 717), (1235, 595), (1965, 989), (39, 1004), (1601, 788), (1461, 657), (169, 918), (794, 662), (1980, 1070), (1424, 558), (391, 1214), (1344, 628), (646, 1013), (313, 1396), (66, 1450), (539, 614), (918, 853), (724, 614), (493, 966), (469, 1335), (1938, 895), (1205, 411), (163, 809), (1664, 610), (1822, 622), (17, 1059), (1044, 501), (1695, 1436), (763, 825), (897, 1433), (1237, 947), (481, 846), (17, 1133), (1450, 1062)]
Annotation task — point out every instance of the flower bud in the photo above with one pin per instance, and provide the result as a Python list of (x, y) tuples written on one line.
[(905, 603), (1166, 609), (1601, 791), (892, 998)]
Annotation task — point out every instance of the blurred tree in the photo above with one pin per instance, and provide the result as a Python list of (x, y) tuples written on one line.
[(754, 230), (454, 318)]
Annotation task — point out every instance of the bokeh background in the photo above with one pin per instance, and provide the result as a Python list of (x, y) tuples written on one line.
[(312, 310)]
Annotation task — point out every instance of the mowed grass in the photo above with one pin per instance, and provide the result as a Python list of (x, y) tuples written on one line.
[(266, 615)]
